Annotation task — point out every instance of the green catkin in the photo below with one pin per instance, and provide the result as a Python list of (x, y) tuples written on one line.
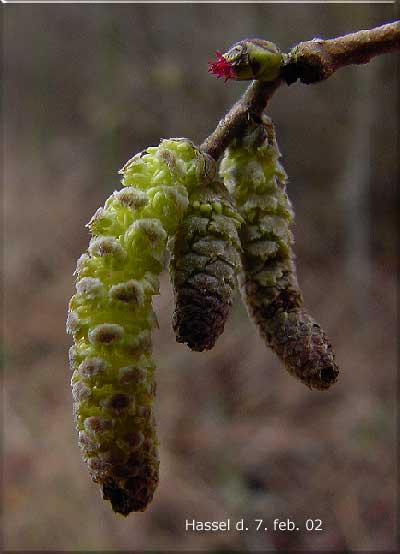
[(111, 318), (204, 265), (253, 174)]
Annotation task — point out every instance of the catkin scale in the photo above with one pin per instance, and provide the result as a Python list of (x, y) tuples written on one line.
[(111, 318), (253, 174), (204, 264)]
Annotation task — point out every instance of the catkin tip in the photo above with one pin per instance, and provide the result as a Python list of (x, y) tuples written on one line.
[(133, 497), (199, 318)]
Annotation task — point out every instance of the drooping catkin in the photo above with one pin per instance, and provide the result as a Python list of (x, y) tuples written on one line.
[(253, 174), (204, 265), (111, 318)]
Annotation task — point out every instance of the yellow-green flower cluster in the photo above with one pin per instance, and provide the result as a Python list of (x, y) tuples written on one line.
[(111, 318), (215, 231)]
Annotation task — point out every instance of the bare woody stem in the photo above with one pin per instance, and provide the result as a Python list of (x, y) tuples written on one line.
[(318, 59), (249, 107), (309, 62)]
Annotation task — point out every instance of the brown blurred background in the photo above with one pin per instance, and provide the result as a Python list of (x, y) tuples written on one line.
[(87, 86)]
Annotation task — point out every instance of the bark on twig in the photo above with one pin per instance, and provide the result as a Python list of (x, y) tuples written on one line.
[(318, 59), (248, 108), (310, 62)]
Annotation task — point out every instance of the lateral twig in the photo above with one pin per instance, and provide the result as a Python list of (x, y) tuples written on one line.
[(310, 62)]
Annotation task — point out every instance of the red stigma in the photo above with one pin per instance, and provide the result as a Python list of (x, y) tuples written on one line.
[(221, 68)]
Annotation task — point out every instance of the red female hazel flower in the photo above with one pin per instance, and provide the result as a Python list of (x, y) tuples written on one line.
[(221, 68)]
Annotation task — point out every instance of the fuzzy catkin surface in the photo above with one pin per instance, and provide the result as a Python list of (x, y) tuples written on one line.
[(204, 265), (111, 318), (254, 176)]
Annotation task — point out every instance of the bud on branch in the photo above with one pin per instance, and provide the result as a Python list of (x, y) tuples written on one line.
[(309, 62), (248, 59)]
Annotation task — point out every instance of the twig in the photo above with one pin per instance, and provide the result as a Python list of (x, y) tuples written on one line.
[(311, 62), (249, 107), (318, 59)]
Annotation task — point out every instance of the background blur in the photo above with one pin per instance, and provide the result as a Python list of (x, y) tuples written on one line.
[(86, 87)]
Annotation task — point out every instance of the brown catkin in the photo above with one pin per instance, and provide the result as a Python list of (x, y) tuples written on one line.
[(256, 179), (204, 265)]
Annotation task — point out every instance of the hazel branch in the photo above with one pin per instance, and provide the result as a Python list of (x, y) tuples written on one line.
[(248, 108), (318, 59), (310, 62)]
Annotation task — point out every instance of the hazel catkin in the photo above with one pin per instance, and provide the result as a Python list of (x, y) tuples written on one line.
[(254, 176), (204, 265), (111, 318)]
